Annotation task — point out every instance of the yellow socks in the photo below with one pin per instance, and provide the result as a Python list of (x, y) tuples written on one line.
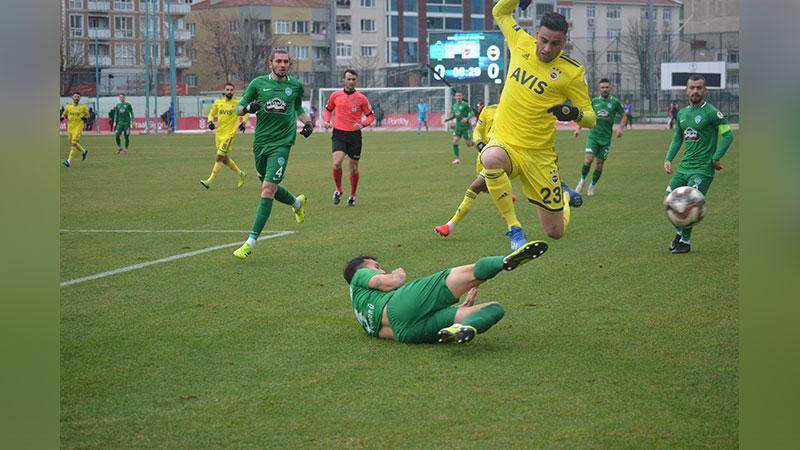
[(464, 207), (215, 170), (499, 186), (232, 165)]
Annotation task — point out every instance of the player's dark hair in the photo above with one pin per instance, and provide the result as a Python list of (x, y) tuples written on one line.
[(696, 77), (275, 51), (76, 92), (122, 93), (353, 265), (604, 80), (229, 84), (355, 74), (554, 21)]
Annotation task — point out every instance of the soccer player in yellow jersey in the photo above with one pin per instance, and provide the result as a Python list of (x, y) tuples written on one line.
[(75, 114), (480, 135), (228, 122), (540, 78)]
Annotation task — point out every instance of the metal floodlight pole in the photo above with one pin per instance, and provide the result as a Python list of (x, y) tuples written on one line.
[(96, 74), (332, 43), (172, 74), (147, 67), (156, 58)]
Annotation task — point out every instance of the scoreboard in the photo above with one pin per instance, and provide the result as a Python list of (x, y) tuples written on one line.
[(467, 56)]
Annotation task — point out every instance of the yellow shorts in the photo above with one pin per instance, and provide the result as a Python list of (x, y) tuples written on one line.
[(224, 144), (74, 136), (538, 173)]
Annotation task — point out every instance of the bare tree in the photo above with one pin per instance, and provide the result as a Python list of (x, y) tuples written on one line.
[(219, 43), (73, 69), (641, 43), (252, 49)]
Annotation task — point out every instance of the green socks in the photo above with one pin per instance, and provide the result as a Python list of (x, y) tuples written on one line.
[(284, 196), (487, 267), (596, 175), (455, 150), (585, 170), (262, 214), (484, 318)]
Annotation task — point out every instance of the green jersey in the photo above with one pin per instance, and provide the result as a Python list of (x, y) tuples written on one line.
[(698, 127), (281, 103), (123, 114), (461, 110), (607, 110), (368, 303)]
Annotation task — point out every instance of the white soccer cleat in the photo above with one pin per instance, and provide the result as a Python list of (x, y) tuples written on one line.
[(579, 187), (590, 191)]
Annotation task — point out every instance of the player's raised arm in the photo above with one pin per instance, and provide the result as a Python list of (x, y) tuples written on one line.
[(388, 282), (578, 93), (505, 21)]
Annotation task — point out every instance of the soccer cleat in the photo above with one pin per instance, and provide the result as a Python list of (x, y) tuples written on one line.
[(351, 201), (337, 197), (681, 247), (456, 161), (579, 187), (243, 252), (674, 242), (119, 150), (575, 199), (590, 191), (517, 237), (527, 252), (242, 176), (300, 213), (83, 155), (66, 163), (513, 198), (457, 333), (443, 230), (206, 184)]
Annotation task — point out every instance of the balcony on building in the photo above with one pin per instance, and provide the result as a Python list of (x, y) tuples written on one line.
[(183, 62), (182, 35), (100, 33), (179, 8), (99, 5), (103, 61)]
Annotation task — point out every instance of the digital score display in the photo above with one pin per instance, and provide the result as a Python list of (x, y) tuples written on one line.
[(467, 56)]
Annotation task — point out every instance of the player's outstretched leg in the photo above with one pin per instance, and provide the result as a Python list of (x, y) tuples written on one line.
[(525, 253), (457, 333)]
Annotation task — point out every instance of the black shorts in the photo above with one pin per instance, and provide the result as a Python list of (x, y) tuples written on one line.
[(348, 142)]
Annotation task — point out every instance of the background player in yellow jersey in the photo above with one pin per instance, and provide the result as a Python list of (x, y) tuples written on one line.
[(480, 135), (228, 121), (540, 79), (75, 114)]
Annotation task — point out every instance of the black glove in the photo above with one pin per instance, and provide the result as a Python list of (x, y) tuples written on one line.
[(211, 126), (308, 128), (565, 113), (242, 127), (524, 4), (252, 107), (480, 146)]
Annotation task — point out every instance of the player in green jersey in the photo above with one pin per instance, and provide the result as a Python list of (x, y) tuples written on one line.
[(421, 311), (598, 143), (698, 127), (462, 112), (123, 117), (276, 100)]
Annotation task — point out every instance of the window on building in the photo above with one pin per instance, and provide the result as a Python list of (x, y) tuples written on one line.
[(190, 80), (282, 27), (367, 3), (369, 51), (368, 25), (613, 33), (123, 26), (733, 57), (542, 9), (613, 57), (732, 79), (75, 4), (319, 27), (591, 55), (648, 13), (76, 26), (344, 49), (76, 53), (613, 12), (478, 24), (300, 27), (342, 3), (477, 7), (192, 54), (666, 14), (590, 24), (410, 54), (321, 53), (102, 50), (343, 24), (616, 78), (566, 12), (590, 11), (192, 27), (99, 23), (123, 5), (450, 23), (124, 54), (298, 52), (233, 26), (410, 29)]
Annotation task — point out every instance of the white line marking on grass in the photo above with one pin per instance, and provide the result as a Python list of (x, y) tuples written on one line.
[(64, 230), (167, 259)]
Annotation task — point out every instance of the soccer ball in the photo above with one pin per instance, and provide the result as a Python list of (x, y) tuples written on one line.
[(685, 206)]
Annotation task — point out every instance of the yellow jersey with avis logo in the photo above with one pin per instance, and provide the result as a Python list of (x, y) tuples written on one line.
[(75, 115), (533, 86), (227, 119)]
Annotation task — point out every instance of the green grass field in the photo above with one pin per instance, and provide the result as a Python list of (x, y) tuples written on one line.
[(609, 341)]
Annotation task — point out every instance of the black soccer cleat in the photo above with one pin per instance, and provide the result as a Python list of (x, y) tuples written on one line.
[(674, 242), (337, 197), (527, 252), (351, 201), (681, 247)]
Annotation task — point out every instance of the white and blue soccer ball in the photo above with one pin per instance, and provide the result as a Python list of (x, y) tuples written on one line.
[(685, 206)]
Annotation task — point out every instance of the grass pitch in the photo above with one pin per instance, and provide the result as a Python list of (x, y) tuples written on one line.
[(608, 341)]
